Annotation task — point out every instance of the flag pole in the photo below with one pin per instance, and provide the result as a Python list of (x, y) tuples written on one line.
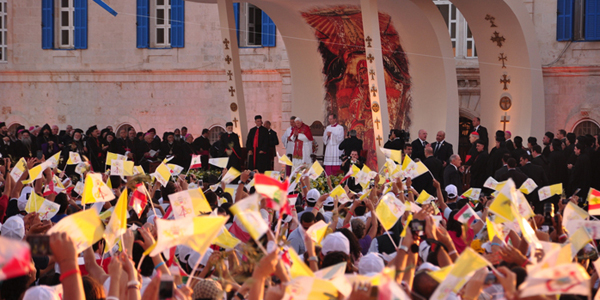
[(391, 239), (189, 281), (277, 228)]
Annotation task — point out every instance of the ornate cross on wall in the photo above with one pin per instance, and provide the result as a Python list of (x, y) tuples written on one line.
[(226, 42), (372, 73), (369, 40), (505, 81), (231, 90), (491, 19), (228, 59), (374, 91), (235, 120), (377, 122), (503, 59), (370, 58), (498, 39), (230, 74), (505, 119), (379, 140)]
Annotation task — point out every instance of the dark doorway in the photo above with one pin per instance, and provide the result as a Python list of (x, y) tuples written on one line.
[(465, 126)]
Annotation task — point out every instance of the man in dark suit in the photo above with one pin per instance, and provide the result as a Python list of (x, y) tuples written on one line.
[(538, 158), (504, 168), (509, 144), (395, 142), (442, 149), (351, 143), (557, 164), (273, 141), (418, 146), (257, 144), (479, 165), (483, 134), (435, 167), (537, 174), (517, 176), (452, 173), (546, 140), (201, 145)]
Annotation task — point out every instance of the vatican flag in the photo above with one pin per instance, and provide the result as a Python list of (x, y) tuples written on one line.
[(37, 172), (317, 231), (162, 174), (389, 210), (413, 169), (231, 175), (175, 169), (424, 198), (189, 203), (339, 193), (469, 261), (305, 288), (247, 211), (298, 268), (114, 156), (220, 162), (34, 203), (48, 210), (85, 228), (284, 160), (74, 158), (118, 222), (395, 155), (571, 214), (226, 240), (95, 190), (315, 170), (528, 186), (549, 191), (197, 233), (54, 159), (472, 193), (18, 170)]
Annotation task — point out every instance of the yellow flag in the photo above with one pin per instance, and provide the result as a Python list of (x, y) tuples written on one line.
[(34, 203), (502, 207), (162, 174), (395, 155), (95, 190), (317, 231), (18, 170), (315, 170), (579, 239), (310, 288), (114, 156), (472, 193), (389, 210), (246, 210), (298, 268), (226, 240), (197, 233), (231, 175), (37, 172), (54, 159), (424, 197), (340, 193), (410, 217), (74, 158), (84, 227), (469, 261), (284, 160), (441, 274), (118, 222), (493, 230), (355, 170), (189, 203), (138, 170)]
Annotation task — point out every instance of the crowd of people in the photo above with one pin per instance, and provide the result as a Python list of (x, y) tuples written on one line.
[(373, 238)]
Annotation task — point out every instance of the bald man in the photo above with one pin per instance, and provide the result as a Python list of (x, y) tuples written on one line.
[(442, 150), (418, 146)]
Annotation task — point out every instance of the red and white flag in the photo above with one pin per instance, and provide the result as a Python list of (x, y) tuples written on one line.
[(139, 200), (196, 162), (466, 215), (15, 258), (273, 189)]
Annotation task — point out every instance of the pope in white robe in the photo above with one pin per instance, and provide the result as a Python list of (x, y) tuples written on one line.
[(303, 144)]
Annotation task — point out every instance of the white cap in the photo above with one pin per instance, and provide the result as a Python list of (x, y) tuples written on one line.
[(14, 227), (41, 292), (370, 264), (313, 195), (451, 191), (195, 256), (22, 201), (424, 250), (335, 242), (328, 201), (428, 266)]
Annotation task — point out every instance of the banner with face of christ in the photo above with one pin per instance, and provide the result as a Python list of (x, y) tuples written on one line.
[(342, 47)]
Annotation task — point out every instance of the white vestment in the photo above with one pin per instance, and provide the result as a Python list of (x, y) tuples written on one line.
[(332, 151), (289, 145), (307, 147)]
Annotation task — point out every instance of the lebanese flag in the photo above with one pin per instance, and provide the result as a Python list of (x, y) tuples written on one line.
[(273, 189), (16, 258), (466, 215), (594, 202), (196, 163), (139, 200)]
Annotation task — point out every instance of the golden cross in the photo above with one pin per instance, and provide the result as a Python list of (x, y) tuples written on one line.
[(369, 40), (370, 58), (505, 119), (235, 120), (372, 73), (229, 73), (231, 90), (228, 59), (491, 19), (374, 91), (379, 140), (503, 59), (505, 81), (226, 42), (498, 39), (377, 122)]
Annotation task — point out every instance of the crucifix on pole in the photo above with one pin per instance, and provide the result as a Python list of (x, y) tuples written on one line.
[(505, 119)]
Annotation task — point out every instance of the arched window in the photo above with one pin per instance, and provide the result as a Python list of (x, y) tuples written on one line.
[(125, 126), (13, 128), (214, 133), (586, 127)]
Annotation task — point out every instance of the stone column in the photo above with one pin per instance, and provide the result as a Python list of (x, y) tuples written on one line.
[(377, 94), (234, 90)]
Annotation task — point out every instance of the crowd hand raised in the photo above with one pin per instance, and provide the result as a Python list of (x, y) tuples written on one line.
[(40, 228), (360, 291), (424, 212), (147, 237), (430, 228), (508, 280), (128, 266), (244, 176), (266, 266), (63, 249), (557, 225), (114, 268), (473, 287), (511, 254), (275, 292), (151, 292), (436, 184)]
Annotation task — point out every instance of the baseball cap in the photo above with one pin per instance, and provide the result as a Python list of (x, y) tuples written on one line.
[(451, 191), (335, 242), (313, 195), (41, 292), (370, 264), (328, 202), (424, 250), (14, 227)]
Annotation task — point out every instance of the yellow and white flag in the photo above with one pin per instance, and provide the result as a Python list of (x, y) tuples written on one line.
[(247, 211), (317, 231), (138, 170), (220, 162), (468, 262), (315, 170), (310, 288), (413, 169), (395, 155), (85, 228), (389, 210), (528, 186), (561, 279), (175, 169), (121, 168), (549, 191), (284, 160), (48, 210), (424, 198), (95, 190), (162, 174), (114, 156), (472, 193), (491, 183), (579, 239), (79, 187), (226, 240), (118, 222), (18, 170), (197, 233), (37, 172), (298, 268), (34, 203), (189, 203), (54, 159), (339, 193), (571, 214), (74, 158), (231, 175)]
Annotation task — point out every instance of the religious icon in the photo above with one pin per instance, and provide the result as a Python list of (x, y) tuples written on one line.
[(505, 103), (233, 106), (375, 107)]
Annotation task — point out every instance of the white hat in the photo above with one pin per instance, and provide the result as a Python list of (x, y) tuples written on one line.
[(14, 227), (370, 264), (335, 242), (424, 250), (313, 195), (22, 201), (41, 292), (328, 201), (428, 266), (195, 256), (451, 191)]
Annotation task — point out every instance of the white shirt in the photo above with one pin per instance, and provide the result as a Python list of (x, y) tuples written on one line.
[(332, 152), (289, 145)]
